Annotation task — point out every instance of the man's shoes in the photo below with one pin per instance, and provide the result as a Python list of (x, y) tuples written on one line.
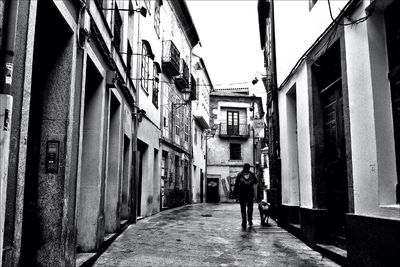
[(243, 224), (250, 223)]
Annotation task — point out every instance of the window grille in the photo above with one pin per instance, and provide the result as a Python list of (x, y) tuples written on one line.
[(235, 151), (145, 69), (117, 27)]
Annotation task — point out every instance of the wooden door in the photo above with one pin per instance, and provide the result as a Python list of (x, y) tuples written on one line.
[(395, 92), (335, 171)]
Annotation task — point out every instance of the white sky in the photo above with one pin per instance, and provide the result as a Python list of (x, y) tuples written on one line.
[(229, 34)]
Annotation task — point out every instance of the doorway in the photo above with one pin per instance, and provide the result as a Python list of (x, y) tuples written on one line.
[(126, 182), (293, 156), (49, 105), (164, 179), (201, 186), (327, 79), (392, 22), (142, 153), (213, 190), (114, 173)]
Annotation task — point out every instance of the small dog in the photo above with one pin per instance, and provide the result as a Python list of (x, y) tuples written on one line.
[(263, 207)]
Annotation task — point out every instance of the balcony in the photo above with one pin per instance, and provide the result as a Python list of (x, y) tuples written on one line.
[(234, 131), (182, 81), (170, 59), (193, 88)]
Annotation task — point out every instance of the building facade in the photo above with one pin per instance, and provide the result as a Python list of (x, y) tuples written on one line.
[(83, 100), (74, 101), (147, 70), (338, 126), (179, 37), (235, 142), (200, 127)]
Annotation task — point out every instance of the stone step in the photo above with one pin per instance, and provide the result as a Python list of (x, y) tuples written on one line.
[(335, 253)]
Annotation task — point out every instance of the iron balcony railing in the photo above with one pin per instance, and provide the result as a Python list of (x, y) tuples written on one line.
[(170, 59), (240, 130), (193, 88), (182, 80)]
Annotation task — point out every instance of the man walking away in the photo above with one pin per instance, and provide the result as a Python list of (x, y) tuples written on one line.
[(244, 189)]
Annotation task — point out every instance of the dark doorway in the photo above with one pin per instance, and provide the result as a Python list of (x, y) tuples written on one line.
[(213, 190), (42, 213), (392, 21), (186, 182), (142, 149), (164, 179), (327, 75), (201, 186), (126, 185)]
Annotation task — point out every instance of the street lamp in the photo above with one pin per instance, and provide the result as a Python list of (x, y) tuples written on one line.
[(142, 10), (210, 133), (255, 80), (186, 98)]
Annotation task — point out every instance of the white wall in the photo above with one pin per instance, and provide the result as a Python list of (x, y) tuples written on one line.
[(290, 195), (371, 122), (198, 160), (297, 28), (148, 33)]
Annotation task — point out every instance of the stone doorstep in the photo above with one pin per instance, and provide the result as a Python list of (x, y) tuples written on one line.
[(294, 229), (88, 259), (81, 258), (334, 253)]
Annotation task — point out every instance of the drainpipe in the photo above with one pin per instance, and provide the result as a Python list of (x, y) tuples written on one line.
[(190, 131), (275, 167), (6, 103), (135, 176)]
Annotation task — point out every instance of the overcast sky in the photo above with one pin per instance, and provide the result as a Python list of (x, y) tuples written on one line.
[(229, 35)]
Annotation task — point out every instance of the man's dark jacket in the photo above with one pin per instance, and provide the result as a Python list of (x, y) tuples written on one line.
[(244, 188)]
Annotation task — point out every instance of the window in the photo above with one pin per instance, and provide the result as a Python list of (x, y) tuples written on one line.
[(177, 120), (195, 136), (117, 27), (145, 69), (173, 25), (157, 18), (202, 141), (233, 122), (312, 3), (147, 3), (186, 129), (156, 81), (100, 2), (164, 168), (235, 151), (197, 89), (166, 110), (129, 60)]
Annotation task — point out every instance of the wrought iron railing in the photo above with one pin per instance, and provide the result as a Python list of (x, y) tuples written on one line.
[(237, 130), (170, 59), (182, 81)]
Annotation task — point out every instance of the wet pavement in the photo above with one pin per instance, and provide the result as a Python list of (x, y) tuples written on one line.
[(207, 235)]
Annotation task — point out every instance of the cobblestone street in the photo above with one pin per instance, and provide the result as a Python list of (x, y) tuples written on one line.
[(207, 235)]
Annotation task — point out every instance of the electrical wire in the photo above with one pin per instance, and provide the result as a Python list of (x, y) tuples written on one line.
[(357, 21), (204, 84), (331, 29)]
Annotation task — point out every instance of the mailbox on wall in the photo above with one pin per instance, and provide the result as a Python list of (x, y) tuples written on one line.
[(52, 156)]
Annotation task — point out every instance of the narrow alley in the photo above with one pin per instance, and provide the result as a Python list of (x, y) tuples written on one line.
[(207, 235)]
